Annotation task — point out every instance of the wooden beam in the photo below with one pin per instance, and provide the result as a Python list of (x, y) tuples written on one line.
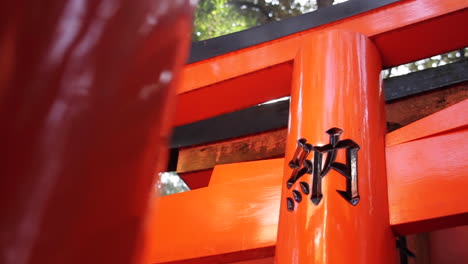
[(429, 174), (264, 146), (429, 191), (234, 94), (232, 219), (271, 144), (408, 110), (450, 117)]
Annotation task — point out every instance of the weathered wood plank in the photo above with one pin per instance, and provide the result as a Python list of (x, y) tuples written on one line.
[(408, 110), (429, 125), (262, 146)]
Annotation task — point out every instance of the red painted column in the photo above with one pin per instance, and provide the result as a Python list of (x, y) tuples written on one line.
[(86, 95), (337, 104)]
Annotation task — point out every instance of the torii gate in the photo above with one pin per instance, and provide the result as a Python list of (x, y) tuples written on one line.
[(82, 129), (412, 181)]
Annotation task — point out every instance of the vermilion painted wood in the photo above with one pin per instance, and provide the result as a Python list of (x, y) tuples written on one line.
[(86, 89), (336, 83), (436, 32), (228, 95), (451, 118), (233, 221), (427, 182), (422, 21), (233, 173), (427, 165)]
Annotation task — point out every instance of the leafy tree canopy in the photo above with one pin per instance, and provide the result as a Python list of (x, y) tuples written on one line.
[(215, 18)]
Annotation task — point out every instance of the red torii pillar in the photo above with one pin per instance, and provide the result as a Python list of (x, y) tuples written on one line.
[(337, 108), (86, 92)]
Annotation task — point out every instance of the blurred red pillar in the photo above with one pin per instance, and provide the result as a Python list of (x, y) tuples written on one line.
[(336, 90), (86, 96)]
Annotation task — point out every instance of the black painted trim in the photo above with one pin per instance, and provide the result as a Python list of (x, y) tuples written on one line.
[(243, 122), (273, 116), (206, 49), (172, 160), (426, 80)]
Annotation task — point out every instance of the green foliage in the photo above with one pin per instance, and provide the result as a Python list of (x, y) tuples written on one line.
[(215, 18)]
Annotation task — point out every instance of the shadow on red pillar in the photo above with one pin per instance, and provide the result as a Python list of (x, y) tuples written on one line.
[(337, 110), (86, 96)]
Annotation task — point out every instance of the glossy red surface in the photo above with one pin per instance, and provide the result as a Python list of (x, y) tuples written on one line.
[(336, 83), (431, 191), (228, 95), (246, 171), (427, 161), (85, 100), (229, 220)]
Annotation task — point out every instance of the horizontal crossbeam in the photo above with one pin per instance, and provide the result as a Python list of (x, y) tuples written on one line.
[(427, 167)]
